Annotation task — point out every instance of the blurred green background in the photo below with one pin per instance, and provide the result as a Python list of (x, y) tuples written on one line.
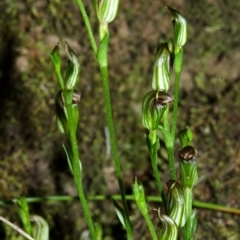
[(32, 160)]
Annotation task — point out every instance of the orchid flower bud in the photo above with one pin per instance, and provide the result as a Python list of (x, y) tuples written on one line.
[(153, 106), (106, 10), (175, 203), (72, 70), (139, 195), (188, 166), (161, 69), (185, 136), (180, 28)]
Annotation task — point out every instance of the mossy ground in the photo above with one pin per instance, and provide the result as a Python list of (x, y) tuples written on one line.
[(32, 159)]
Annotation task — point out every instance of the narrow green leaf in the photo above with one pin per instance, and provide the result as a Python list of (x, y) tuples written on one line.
[(69, 157), (185, 136), (61, 113), (99, 230), (120, 213), (56, 59), (193, 223), (102, 51), (167, 137)]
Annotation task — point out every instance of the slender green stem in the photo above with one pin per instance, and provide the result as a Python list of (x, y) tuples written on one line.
[(175, 105), (88, 26), (170, 151), (154, 160), (215, 207), (197, 204), (76, 164), (155, 171), (150, 225), (113, 142), (178, 68), (169, 141)]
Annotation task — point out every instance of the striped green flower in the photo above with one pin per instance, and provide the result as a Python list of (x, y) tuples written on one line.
[(40, 228), (161, 69), (167, 227), (188, 166), (139, 196), (72, 70), (180, 28), (153, 106), (106, 10), (175, 203)]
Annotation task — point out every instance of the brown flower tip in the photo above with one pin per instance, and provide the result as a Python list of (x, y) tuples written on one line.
[(161, 100), (76, 97), (171, 183), (187, 154)]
